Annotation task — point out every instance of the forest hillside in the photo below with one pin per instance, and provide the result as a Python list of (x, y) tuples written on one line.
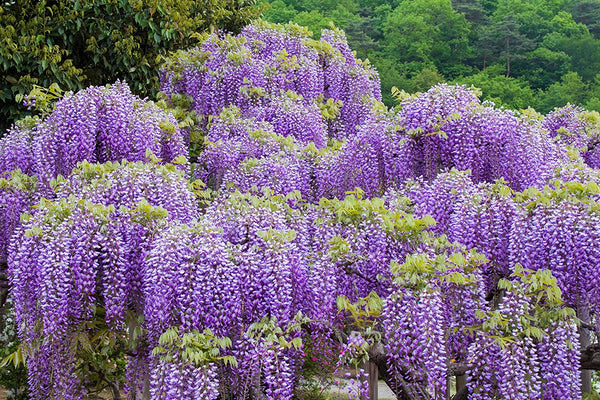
[(521, 53)]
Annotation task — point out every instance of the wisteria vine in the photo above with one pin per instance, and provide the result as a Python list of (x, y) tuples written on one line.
[(441, 237)]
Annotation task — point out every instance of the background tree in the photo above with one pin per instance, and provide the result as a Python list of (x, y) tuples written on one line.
[(504, 41), (81, 43), (571, 89), (429, 32), (512, 93), (587, 12)]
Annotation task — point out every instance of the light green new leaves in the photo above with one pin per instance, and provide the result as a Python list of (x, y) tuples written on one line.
[(545, 308), (364, 312), (270, 334), (197, 348)]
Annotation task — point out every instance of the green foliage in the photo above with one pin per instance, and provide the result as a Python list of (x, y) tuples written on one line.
[(314, 20), (425, 79), (279, 12), (76, 43), (330, 109), (545, 308), (354, 209), (320, 358), (591, 396), (448, 266), (41, 99), (542, 66), (570, 89), (560, 193), (270, 334), (512, 93), (13, 372), (16, 180), (364, 312), (587, 12), (197, 348), (427, 33), (100, 354)]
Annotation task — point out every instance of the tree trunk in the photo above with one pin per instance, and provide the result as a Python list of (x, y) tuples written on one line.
[(115, 391), (461, 383), (462, 394), (371, 368), (590, 358), (4, 284), (507, 57), (401, 388)]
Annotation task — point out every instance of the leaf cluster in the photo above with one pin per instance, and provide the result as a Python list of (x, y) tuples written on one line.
[(545, 308), (194, 347), (364, 312), (270, 334), (100, 353), (420, 270), (354, 209)]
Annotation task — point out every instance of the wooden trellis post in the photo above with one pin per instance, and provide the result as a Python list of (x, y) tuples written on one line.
[(371, 368)]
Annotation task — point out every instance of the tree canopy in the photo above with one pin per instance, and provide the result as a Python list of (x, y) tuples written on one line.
[(536, 43)]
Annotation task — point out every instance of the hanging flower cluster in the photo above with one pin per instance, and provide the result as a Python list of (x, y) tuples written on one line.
[(254, 70), (243, 260), (577, 127), (18, 192), (452, 129), (98, 124), (434, 297), (477, 216), (278, 80), (81, 259), (519, 358), (560, 232), (62, 261)]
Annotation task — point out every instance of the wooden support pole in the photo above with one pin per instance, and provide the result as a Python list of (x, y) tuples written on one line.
[(373, 380), (461, 382)]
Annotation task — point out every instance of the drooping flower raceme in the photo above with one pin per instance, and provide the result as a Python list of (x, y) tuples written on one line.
[(577, 127), (254, 70), (97, 124), (18, 192), (79, 261), (522, 358), (452, 129), (60, 263), (560, 232), (237, 264)]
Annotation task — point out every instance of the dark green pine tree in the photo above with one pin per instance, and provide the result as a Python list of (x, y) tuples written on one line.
[(502, 40), (473, 10), (587, 12), (360, 34)]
